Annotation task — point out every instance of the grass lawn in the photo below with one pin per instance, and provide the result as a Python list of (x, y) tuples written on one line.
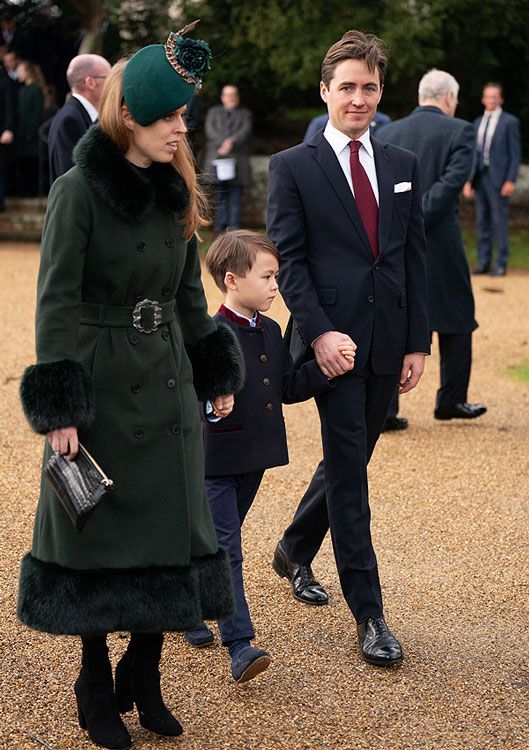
[(519, 242), (521, 371)]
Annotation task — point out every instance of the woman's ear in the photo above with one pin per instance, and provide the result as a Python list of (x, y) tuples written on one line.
[(127, 118)]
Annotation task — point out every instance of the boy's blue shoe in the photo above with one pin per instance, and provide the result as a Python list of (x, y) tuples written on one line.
[(247, 662), (199, 636)]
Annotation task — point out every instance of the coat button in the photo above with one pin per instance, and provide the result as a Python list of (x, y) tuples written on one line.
[(170, 383), (262, 358), (176, 429), (370, 298), (141, 246), (266, 381), (139, 432), (169, 241), (166, 291), (134, 338), (166, 335), (269, 407), (135, 387)]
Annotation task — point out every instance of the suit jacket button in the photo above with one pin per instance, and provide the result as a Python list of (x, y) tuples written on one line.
[(263, 358), (135, 387), (171, 383), (266, 381), (141, 246), (166, 291), (166, 335), (139, 432), (269, 407), (134, 338), (169, 242), (370, 298), (176, 429)]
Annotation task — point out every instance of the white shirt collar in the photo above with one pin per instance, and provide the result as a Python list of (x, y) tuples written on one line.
[(92, 111), (251, 320), (495, 112), (338, 140)]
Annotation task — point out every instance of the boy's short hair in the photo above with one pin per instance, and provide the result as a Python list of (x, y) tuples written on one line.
[(235, 250)]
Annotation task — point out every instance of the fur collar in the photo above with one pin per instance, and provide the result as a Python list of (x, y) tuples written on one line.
[(129, 193)]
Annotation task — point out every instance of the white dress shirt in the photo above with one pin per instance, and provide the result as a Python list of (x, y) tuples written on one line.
[(494, 117), (92, 111), (339, 142)]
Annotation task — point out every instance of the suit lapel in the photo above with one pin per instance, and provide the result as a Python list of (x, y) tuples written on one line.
[(386, 186), (330, 166)]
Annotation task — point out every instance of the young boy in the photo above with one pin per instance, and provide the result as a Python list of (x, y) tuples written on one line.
[(238, 448)]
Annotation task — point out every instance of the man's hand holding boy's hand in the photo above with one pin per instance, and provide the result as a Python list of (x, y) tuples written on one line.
[(348, 350), (223, 405)]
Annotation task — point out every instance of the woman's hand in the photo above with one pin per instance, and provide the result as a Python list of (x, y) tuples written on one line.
[(64, 441), (223, 405)]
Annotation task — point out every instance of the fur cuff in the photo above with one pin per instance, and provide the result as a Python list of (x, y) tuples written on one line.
[(218, 364), (57, 394), (64, 601)]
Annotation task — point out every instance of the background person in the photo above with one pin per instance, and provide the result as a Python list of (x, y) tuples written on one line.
[(444, 145), (121, 372), (86, 76), (30, 97), (492, 178), (344, 212), (7, 127), (228, 130)]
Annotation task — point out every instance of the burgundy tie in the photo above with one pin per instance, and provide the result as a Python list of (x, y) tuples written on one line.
[(364, 196)]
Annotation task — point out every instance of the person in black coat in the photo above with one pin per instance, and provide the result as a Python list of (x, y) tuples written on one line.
[(444, 145), (86, 75), (252, 438), (7, 126)]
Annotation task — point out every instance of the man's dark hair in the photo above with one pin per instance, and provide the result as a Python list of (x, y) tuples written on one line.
[(494, 85), (355, 46)]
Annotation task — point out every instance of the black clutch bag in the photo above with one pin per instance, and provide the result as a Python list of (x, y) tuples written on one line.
[(80, 484)]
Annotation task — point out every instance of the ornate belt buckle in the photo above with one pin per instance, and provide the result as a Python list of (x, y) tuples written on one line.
[(147, 316)]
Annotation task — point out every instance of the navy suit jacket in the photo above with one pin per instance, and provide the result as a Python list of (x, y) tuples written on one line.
[(67, 127), (329, 277), (505, 151)]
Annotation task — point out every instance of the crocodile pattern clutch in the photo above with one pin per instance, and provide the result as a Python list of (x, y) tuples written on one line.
[(79, 484)]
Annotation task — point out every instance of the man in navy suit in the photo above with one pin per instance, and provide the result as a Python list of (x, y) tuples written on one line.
[(344, 211), (492, 178), (86, 75)]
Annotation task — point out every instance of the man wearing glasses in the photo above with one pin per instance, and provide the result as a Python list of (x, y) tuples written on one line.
[(86, 75)]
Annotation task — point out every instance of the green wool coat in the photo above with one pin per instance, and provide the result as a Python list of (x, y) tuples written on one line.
[(147, 560)]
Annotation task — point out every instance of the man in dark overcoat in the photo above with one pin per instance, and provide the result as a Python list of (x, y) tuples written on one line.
[(344, 211), (444, 146), (228, 130), (86, 75), (7, 126)]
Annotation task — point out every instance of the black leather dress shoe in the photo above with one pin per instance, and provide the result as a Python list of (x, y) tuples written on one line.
[(459, 411), (379, 645), (498, 271), (392, 424), (480, 270), (304, 586)]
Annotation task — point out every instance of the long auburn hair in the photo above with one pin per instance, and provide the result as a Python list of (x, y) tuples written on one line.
[(111, 122)]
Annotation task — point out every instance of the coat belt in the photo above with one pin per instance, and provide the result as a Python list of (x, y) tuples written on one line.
[(104, 315)]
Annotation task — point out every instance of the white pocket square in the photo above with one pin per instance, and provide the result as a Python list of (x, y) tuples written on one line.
[(402, 187)]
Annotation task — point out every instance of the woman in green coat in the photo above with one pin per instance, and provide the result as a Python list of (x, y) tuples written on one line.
[(124, 348)]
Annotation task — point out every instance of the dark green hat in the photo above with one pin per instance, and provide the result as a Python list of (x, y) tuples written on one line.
[(159, 79)]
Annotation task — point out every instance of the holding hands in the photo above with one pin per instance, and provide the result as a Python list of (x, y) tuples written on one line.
[(223, 405), (335, 353)]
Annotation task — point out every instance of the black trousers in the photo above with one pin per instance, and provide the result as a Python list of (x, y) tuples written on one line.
[(351, 416), (456, 361)]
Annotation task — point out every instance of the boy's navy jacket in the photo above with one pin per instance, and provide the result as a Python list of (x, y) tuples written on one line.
[(253, 437)]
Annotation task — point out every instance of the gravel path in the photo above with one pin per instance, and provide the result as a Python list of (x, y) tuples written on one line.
[(450, 526)]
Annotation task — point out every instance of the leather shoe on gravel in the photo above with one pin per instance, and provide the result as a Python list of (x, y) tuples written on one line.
[(379, 645), (248, 663), (459, 411), (305, 587), (393, 424)]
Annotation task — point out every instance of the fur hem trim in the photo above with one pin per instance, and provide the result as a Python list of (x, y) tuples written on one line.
[(128, 193), (218, 364), (63, 601), (57, 394)]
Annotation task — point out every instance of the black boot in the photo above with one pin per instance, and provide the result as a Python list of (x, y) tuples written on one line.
[(138, 681), (96, 703)]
